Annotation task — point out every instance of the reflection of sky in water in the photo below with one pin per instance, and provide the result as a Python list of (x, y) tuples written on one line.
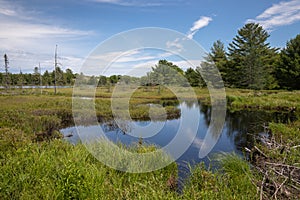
[(233, 138)]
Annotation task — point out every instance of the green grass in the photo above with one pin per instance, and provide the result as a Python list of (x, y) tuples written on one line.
[(267, 100), (234, 180), (54, 169), (58, 170)]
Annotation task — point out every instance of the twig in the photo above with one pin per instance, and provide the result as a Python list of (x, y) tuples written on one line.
[(295, 187), (282, 165), (260, 151), (285, 176), (262, 187), (294, 147), (278, 188)]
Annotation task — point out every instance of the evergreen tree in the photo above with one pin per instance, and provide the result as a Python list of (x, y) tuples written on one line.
[(218, 53), (92, 80), (194, 77), (166, 73), (288, 70), (47, 78), (113, 79), (21, 80), (102, 81), (36, 76), (251, 59), (1, 79), (59, 75), (217, 57), (69, 77)]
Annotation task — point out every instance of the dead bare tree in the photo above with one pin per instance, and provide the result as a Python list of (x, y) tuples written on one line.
[(55, 67), (6, 71)]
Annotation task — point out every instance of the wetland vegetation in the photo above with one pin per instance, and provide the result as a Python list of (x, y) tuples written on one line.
[(53, 168), (35, 162)]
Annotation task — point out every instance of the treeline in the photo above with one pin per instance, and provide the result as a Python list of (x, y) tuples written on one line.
[(56, 77), (248, 62)]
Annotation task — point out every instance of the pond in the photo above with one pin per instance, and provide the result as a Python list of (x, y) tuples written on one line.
[(238, 131)]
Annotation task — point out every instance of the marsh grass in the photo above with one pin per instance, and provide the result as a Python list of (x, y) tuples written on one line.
[(267, 100), (54, 169), (234, 180), (58, 170)]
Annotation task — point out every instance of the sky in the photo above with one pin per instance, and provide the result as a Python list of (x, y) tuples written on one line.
[(30, 29)]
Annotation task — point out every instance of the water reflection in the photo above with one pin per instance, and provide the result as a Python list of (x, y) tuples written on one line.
[(238, 132)]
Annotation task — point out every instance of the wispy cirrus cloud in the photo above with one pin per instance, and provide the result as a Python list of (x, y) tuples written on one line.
[(283, 13), (200, 23), (12, 29), (177, 44), (7, 9), (20, 23), (28, 38), (7, 12)]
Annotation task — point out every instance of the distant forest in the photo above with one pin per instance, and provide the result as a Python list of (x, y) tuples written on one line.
[(248, 62)]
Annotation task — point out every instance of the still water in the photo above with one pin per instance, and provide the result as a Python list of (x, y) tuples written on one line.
[(238, 132)]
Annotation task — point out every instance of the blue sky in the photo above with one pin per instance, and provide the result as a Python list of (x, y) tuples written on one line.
[(30, 29)]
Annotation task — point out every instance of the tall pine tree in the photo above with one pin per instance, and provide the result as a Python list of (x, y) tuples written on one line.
[(251, 59), (288, 70), (218, 56)]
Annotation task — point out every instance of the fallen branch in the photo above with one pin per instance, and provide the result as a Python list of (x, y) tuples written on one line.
[(262, 187), (282, 165), (260, 151), (278, 188), (295, 181)]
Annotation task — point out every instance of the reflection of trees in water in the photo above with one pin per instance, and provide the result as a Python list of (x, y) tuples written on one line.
[(240, 126), (243, 125), (206, 111), (122, 127), (191, 103), (165, 103)]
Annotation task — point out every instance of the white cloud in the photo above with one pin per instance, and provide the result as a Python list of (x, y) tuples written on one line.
[(8, 12), (141, 69), (283, 13), (122, 57), (175, 44), (9, 9), (200, 23), (12, 29), (26, 61), (6, 9), (135, 63), (185, 64), (29, 38)]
